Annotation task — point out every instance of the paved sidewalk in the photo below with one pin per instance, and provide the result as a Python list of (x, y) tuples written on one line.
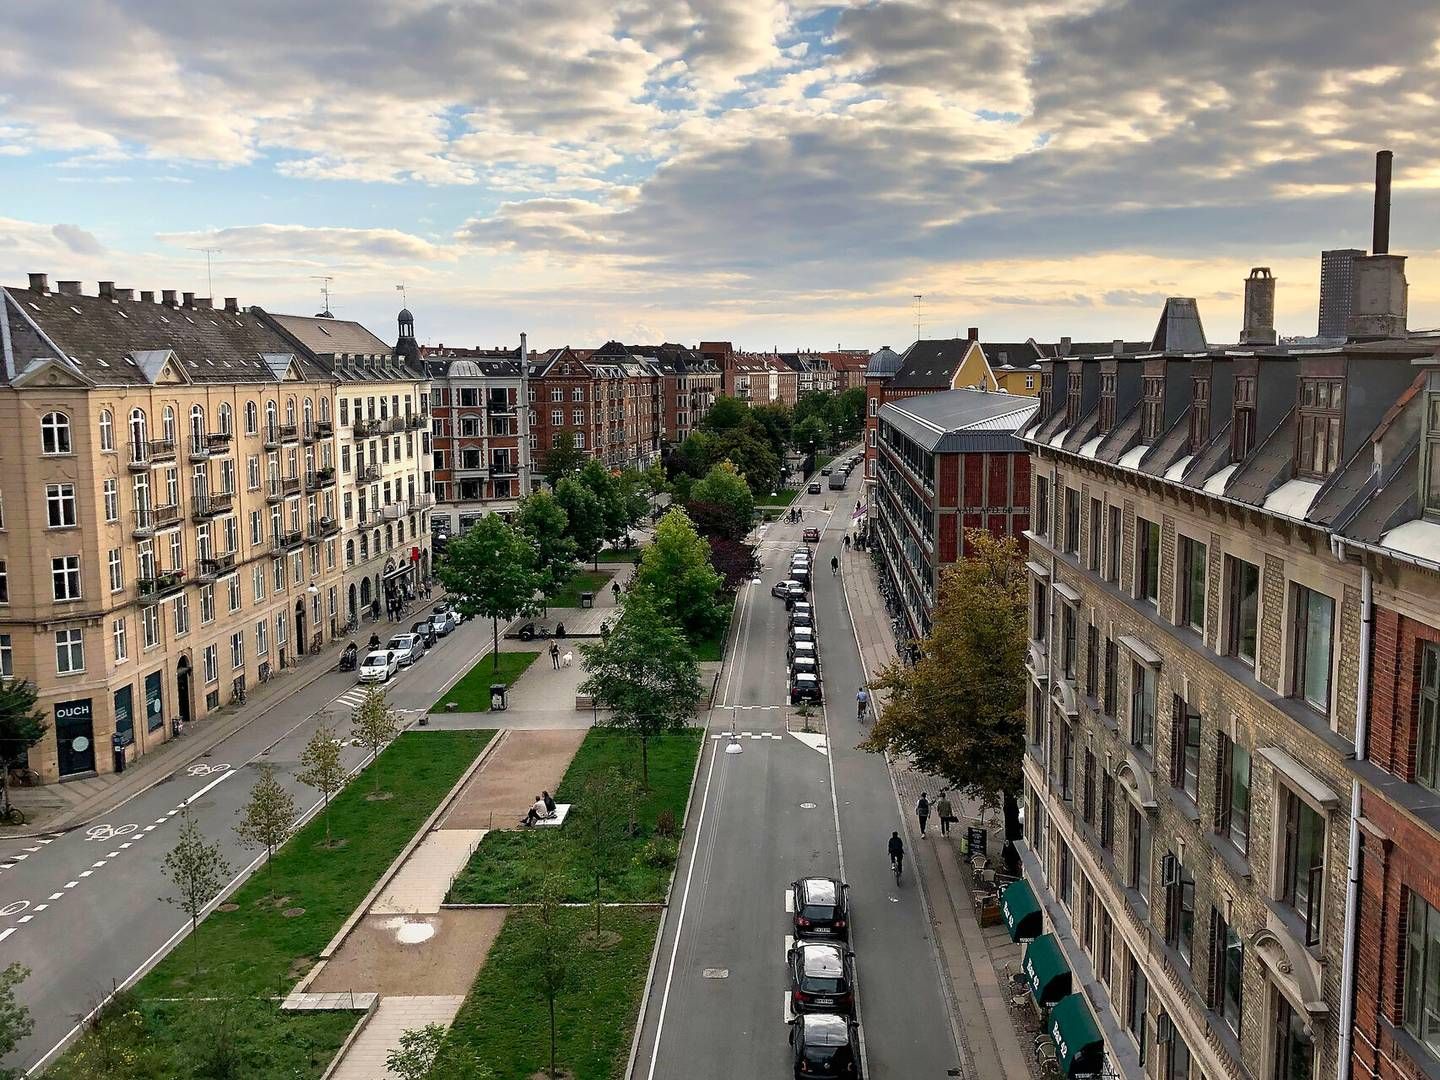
[(365, 1059), (976, 990)]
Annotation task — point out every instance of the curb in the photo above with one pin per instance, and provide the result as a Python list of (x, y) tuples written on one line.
[(351, 1039)]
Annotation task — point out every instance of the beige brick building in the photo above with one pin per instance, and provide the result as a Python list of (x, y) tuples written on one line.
[(158, 553)]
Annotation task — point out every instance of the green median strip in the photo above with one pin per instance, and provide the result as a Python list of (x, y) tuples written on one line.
[(281, 920), (582, 581), (472, 693)]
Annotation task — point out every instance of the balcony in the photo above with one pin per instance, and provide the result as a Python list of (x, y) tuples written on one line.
[(216, 567), (160, 517), (416, 421), (368, 475), (289, 433), (272, 437), (212, 504), (394, 426), (282, 488), (500, 408), (424, 501), (321, 528), (199, 448), (504, 468), (285, 542), (317, 479), (324, 429), (364, 429), (476, 471), (369, 519), (161, 585), (219, 441), (139, 456)]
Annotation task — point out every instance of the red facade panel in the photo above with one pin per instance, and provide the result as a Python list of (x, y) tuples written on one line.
[(1020, 488), (998, 524), (974, 479), (999, 476), (949, 479), (947, 538)]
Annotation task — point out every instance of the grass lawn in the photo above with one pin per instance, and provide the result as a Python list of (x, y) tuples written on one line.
[(505, 1021), (473, 691), (782, 498), (591, 581), (713, 647), (613, 555), (255, 951), (508, 866)]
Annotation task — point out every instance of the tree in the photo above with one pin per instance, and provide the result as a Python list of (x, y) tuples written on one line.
[(600, 829), (776, 419), (849, 412), (374, 724), (633, 489), (726, 413), (562, 461), (656, 482), (425, 1054), (22, 725), (198, 871), (585, 519), (265, 820), (614, 512), (15, 1021), (750, 451), (810, 434), (725, 489), (959, 712), (322, 769), (543, 521), (645, 673), (675, 573), (491, 572), (548, 948)]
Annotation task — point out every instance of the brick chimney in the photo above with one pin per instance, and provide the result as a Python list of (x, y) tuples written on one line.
[(973, 334), (1065, 343), (40, 283), (147, 296), (1379, 292), (1118, 346), (69, 288), (189, 299), (1259, 328), (202, 303), (125, 294)]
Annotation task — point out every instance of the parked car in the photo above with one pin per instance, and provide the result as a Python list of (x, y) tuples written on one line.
[(801, 561), (825, 471), (822, 978), (786, 588), (804, 686), (802, 648), (802, 575), (805, 664), (802, 618), (442, 622), (802, 607), (406, 647), (801, 633), (824, 1045), (814, 488), (820, 908), (811, 535), (425, 631), (379, 666)]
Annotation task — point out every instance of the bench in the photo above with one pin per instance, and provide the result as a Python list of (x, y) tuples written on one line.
[(584, 701), (555, 820)]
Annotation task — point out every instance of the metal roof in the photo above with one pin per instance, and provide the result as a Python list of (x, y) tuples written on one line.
[(953, 421)]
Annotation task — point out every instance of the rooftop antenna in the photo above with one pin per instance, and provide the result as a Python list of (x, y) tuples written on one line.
[(919, 299), (404, 299), (209, 277), (325, 281)]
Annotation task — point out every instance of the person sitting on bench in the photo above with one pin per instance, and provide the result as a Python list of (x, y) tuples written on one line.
[(549, 803), (537, 812)]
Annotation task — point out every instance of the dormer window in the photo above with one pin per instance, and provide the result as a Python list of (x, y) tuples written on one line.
[(1072, 396), (1107, 403), (1046, 382), (1152, 408), (1242, 428), (1430, 481), (1322, 404), (1199, 413)]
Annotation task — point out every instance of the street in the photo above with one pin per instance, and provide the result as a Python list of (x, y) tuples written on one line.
[(780, 810), (86, 911)]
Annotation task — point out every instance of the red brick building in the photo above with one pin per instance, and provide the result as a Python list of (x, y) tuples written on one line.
[(607, 402)]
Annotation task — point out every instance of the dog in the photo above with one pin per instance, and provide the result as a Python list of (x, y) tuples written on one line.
[(565, 660)]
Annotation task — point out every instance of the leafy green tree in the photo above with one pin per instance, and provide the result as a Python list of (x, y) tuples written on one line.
[(695, 455), (646, 675), (198, 871), (491, 572), (676, 575), (374, 724), (614, 511), (724, 490), (15, 1021), (600, 829), (959, 712), (22, 725), (726, 413), (322, 769), (266, 819), (584, 518), (548, 948), (656, 482), (811, 434), (849, 412), (748, 449), (776, 419), (425, 1054), (562, 461), (544, 523), (633, 487)]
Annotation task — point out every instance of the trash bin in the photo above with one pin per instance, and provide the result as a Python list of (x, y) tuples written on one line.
[(498, 694), (587, 599)]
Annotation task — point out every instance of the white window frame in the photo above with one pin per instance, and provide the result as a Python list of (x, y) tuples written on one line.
[(72, 642)]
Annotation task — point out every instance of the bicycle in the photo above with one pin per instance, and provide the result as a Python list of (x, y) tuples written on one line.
[(896, 862), (265, 673), (862, 701), (12, 815)]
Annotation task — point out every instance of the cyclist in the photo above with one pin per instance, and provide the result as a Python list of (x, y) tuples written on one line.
[(834, 566), (847, 541), (897, 853), (862, 699)]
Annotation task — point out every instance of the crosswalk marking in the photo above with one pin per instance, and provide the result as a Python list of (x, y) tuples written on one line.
[(747, 735)]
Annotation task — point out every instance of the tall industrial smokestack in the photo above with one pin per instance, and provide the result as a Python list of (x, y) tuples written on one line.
[(1380, 240)]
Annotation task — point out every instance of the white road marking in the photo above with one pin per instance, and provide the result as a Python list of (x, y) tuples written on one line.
[(56, 895), (812, 739), (85, 873), (47, 840), (41, 907), (21, 857), (789, 902), (71, 884), (218, 780), (126, 844), (115, 854), (6, 933), (32, 850), (97, 865), (786, 1013), (148, 828), (25, 918)]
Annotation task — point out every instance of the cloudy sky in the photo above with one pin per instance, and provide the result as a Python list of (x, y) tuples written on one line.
[(774, 173)]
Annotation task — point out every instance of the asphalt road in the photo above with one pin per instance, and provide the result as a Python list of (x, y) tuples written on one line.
[(779, 810), (85, 910)]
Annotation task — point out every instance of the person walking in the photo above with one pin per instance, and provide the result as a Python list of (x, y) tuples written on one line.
[(946, 812), (922, 811), (555, 655), (615, 588)]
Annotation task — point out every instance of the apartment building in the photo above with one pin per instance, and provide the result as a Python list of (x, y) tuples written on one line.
[(1197, 698), (376, 504), (606, 402), (760, 379), (482, 435), (849, 367), (154, 555), (813, 373), (947, 463), (879, 371), (690, 383)]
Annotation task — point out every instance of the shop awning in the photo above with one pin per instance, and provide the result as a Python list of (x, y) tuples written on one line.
[(1078, 1044), (1046, 968), (1021, 910)]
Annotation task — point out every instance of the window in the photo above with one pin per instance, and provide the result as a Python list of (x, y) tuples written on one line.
[(1294, 1048), (1072, 522), (1137, 997), (117, 635), (1087, 789), (237, 649), (1322, 406), (65, 577), (112, 500), (1427, 754), (1097, 522), (1107, 811), (577, 416), (69, 652), (182, 615), (1227, 962), (252, 418), (1068, 634), (1147, 560), (1066, 761), (1066, 874), (1107, 402), (1092, 660), (60, 505), (579, 440), (207, 603), (1242, 427), (262, 638), (1422, 961), (1040, 615), (117, 570), (1242, 602), (233, 585), (1192, 584), (557, 394), (1430, 477), (1314, 621), (1112, 556), (557, 417), (7, 657), (4, 583), (1138, 853), (1232, 793), (1142, 706), (107, 431), (1302, 869), (150, 625), (257, 583), (55, 433), (1112, 676), (1177, 1058), (1179, 907), (1199, 412), (1107, 941), (210, 664), (1185, 748), (1041, 520)]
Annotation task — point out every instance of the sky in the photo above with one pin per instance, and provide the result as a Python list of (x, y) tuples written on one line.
[(771, 173)]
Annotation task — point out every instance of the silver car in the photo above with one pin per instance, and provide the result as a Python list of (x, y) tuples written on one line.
[(406, 647), (443, 622)]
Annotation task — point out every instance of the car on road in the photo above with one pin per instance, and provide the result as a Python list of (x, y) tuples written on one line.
[(802, 607), (801, 633), (814, 488), (442, 622), (425, 631), (811, 534), (787, 587), (802, 561), (824, 1045), (802, 575), (802, 618), (406, 647), (379, 666), (819, 908), (806, 665), (822, 978), (825, 471), (805, 686), (802, 648)]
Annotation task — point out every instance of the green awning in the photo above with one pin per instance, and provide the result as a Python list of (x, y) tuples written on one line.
[(1047, 970), (1021, 910), (1078, 1044)]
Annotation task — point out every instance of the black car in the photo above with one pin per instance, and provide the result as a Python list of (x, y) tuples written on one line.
[(805, 686), (825, 471), (822, 978), (820, 908), (802, 618), (814, 487), (824, 1045), (425, 631)]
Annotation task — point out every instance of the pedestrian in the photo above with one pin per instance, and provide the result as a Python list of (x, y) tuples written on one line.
[(922, 811), (615, 588), (946, 812), (555, 655)]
